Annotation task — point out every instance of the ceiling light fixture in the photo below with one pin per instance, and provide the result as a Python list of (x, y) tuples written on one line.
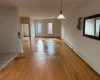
[(61, 16)]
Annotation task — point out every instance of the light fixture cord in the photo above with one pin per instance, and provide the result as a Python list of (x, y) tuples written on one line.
[(61, 8), (61, 5)]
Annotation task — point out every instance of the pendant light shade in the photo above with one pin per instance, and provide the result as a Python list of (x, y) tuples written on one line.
[(61, 16)]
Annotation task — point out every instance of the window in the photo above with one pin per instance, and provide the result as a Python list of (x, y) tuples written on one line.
[(92, 27), (50, 28), (39, 28)]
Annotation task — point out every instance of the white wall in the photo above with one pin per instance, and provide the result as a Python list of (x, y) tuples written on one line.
[(56, 28), (9, 28), (87, 48)]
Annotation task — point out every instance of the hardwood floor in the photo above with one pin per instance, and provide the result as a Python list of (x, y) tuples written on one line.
[(48, 59)]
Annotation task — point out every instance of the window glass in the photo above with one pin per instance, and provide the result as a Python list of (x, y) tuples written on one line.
[(50, 31), (39, 28)]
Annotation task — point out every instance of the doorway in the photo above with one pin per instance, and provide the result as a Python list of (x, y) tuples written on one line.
[(25, 33)]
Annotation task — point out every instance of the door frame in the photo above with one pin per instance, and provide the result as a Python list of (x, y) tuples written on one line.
[(25, 20)]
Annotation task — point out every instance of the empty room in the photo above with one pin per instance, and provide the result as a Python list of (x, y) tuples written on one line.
[(49, 40)]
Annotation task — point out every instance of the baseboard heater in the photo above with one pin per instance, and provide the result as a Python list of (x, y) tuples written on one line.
[(94, 67)]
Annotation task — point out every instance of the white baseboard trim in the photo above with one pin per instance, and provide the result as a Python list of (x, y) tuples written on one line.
[(90, 63), (4, 63)]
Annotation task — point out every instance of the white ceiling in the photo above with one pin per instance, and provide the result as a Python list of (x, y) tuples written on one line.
[(42, 8)]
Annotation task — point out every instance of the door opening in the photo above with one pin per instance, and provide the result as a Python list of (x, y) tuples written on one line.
[(25, 33)]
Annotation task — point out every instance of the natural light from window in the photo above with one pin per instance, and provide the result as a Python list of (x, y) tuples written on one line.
[(50, 31), (39, 28)]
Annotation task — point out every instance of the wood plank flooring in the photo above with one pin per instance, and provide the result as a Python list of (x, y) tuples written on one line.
[(48, 59)]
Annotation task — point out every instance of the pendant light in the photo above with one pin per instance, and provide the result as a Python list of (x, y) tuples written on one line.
[(61, 16)]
